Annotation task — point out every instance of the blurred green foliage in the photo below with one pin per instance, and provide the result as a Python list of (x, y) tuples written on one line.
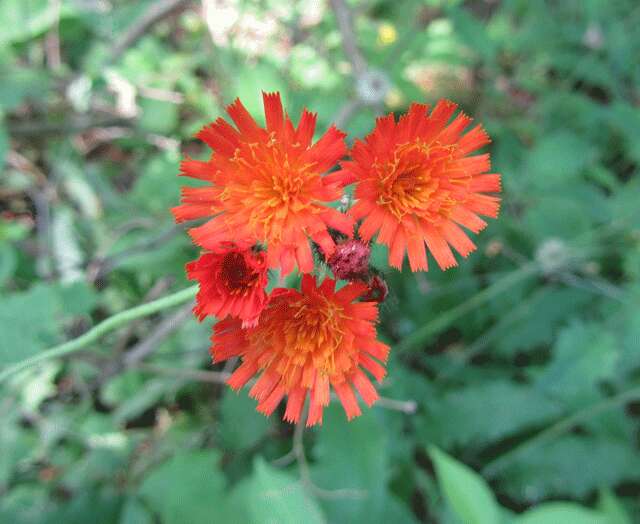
[(534, 388)]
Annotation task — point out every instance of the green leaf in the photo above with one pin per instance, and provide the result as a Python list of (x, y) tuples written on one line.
[(459, 417), (4, 140), (32, 320), (251, 81), (539, 318), (23, 19), (550, 163), (466, 492), (189, 487), (242, 426), (353, 456), (8, 262), (158, 187), (27, 323), (270, 495), (550, 469), (158, 116), (134, 512), (611, 506), (560, 512), (583, 356)]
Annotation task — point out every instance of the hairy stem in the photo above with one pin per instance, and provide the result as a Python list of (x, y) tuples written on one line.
[(104, 327)]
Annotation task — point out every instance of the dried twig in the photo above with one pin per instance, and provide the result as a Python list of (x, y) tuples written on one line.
[(99, 268), (345, 26), (158, 11), (76, 124), (163, 329), (211, 377)]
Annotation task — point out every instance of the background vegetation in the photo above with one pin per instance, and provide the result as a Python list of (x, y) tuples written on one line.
[(523, 363)]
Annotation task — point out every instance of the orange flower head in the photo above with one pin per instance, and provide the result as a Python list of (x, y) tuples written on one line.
[(267, 185), (417, 184), (232, 282), (307, 342)]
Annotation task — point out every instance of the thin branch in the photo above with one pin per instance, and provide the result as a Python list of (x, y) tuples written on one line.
[(408, 407), (346, 112), (157, 290), (217, 377), (562, 426), (99, 268), (158, 11), (345, 26), (76, 124), (104, 327), (150, 343), (212, 377)]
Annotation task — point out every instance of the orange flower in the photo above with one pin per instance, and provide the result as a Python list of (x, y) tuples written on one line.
[(232, 282), (306, 343), (417, 185), (267, 185)]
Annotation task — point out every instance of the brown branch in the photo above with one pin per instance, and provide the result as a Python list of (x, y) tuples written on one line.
[(156, 12), (345, 26), (76, 124)]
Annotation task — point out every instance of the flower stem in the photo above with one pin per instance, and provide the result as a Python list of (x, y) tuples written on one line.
[(101, 329)]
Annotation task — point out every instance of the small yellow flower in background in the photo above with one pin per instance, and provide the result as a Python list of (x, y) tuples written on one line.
[(394, 98), (387, 34)]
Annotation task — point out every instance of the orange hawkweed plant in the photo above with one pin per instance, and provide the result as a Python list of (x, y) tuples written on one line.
[(267, 205), (417, 184), (232, 282), (267, 186), (306, 343)]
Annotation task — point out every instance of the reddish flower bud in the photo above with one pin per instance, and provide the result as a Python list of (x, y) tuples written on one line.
[(377, 290), (350, 260)]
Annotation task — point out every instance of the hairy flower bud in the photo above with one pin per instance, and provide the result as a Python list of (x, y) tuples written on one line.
[(350, 260)]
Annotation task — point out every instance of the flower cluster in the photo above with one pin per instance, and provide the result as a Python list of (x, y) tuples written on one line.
[(267, 204)]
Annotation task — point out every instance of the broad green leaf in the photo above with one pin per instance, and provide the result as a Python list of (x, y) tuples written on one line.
[(158, 187), (134, 512), (561, 512), (4, 140), (583, 356), (250, 82), (351, 458), (27, 323), (611, 506), (25, 504), (188, 487), (460, 417), (467, 493), (539, 317), (158, 116), (24, 19), (241, 426), (270, 495), (32, 320), (8, 261), (549, 469)]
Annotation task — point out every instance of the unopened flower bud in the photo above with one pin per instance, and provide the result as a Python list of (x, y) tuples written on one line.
[(350, 260)]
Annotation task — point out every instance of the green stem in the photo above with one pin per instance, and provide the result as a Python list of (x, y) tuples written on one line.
[(560, 427), (101, 329), (441, 322)]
